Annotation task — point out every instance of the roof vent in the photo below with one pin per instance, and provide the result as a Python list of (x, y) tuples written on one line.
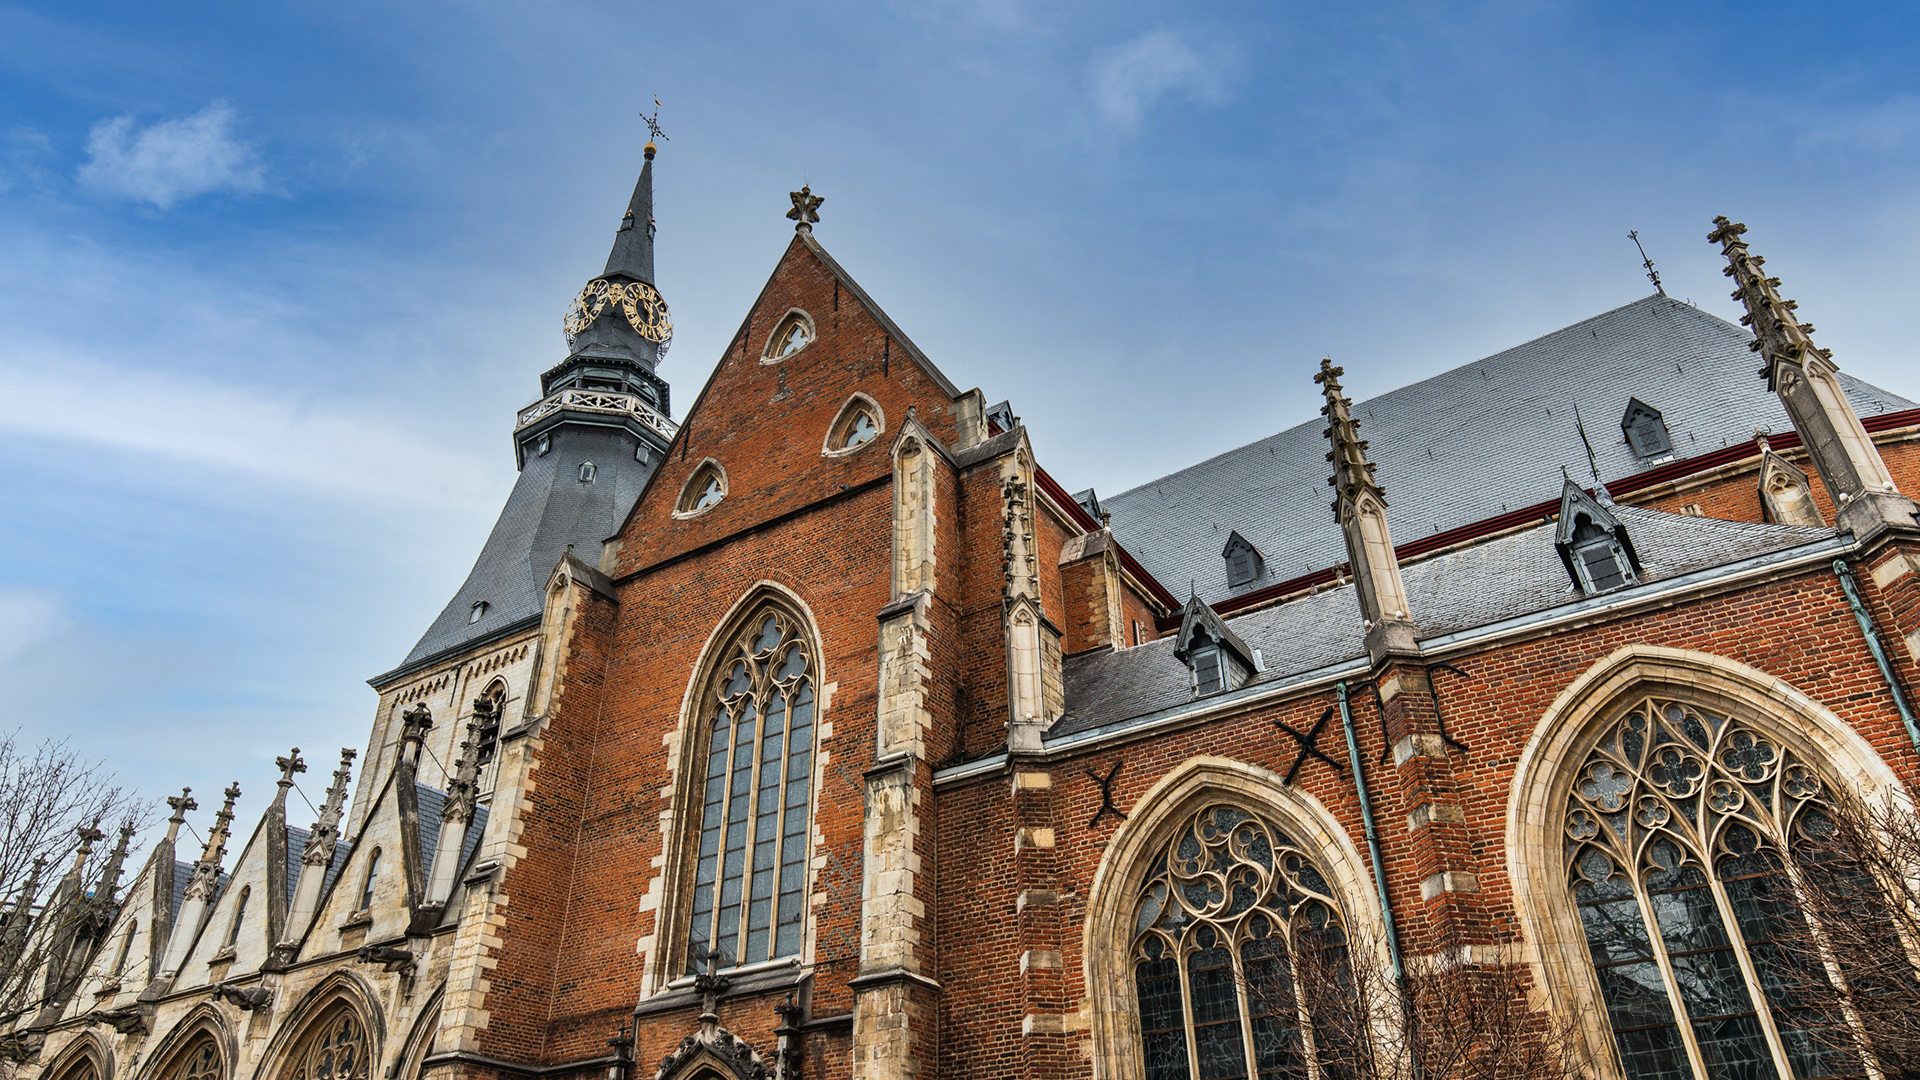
[(1646, 430), (1001, 416), (1089, 502), (1244, 561)]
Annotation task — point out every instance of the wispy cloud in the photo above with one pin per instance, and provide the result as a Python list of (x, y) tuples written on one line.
[(349, 449), (1130, 79), (171, 160)]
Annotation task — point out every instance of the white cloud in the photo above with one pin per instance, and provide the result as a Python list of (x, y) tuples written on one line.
[(1128, 80), (171, 160), (360, 450)]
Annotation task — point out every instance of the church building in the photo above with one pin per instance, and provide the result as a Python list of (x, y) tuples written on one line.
[(820, 731)]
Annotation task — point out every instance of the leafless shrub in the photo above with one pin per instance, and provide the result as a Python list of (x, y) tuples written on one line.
[(55, 905), (1448, 1019), (1850, 957)]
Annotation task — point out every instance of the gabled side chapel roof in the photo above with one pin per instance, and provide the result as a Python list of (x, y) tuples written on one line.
[(1451, 448)]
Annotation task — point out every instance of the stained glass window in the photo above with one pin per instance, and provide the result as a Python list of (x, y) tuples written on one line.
[(336, 1050), (1675, 833), (200, 1061), (1235, 936), (750, 873)]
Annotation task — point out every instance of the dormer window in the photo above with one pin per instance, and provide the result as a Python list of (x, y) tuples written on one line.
[(1599, 559), (1244, 562), (1646, 430), (795, 332), (475, 612), (1592, 543), (1215, 655), (704, 490), (541, 447), (587, 472)]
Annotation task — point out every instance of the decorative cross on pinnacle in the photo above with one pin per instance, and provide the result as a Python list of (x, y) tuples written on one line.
[(182, 803), (653, 122), (289, 765), (806, 208)]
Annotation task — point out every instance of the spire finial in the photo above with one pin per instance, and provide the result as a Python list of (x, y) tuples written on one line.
[(1352, 472), (320, 840), (653, 129), (1778, 334), (206, 873), (806, 208), (181, 804), (1652, 274), (288, 766)]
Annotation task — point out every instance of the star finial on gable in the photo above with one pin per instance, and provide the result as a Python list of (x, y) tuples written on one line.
[(806, 208)]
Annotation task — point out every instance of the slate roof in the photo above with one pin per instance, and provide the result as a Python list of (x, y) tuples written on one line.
[(548, 509), (1465, 445), (1518, 574), (432, 801), (296, 849)]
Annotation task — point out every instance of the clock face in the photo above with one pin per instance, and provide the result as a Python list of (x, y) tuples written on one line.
[(645, 311)]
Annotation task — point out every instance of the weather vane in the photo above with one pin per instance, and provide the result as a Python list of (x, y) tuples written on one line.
[(806, 208), (653, 122), (1634, 235)]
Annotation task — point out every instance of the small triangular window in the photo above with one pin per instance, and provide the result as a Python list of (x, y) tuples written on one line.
[(794, 333)]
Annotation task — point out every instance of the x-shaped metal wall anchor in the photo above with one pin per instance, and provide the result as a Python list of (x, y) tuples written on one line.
[(1106, 793), (1307, 747)]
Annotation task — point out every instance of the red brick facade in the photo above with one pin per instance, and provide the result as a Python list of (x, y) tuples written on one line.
[(1008, 854)]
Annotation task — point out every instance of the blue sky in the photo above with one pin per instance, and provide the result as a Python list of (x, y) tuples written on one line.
[(274, 277)]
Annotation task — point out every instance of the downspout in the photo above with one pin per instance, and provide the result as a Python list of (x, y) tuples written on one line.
[(1373, 837), (1865, 619)]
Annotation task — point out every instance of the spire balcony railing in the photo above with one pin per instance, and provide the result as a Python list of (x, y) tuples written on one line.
[(600, 401)]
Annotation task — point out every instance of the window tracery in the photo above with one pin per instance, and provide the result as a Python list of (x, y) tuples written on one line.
[(1678, 831), (794, 333), (199, 1061), (750, 869), (336, 1050), (704, 490), (1238, 941)]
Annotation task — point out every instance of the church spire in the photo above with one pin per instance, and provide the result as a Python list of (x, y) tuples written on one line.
[(1806, 379), (632, 254), (1361, 507)]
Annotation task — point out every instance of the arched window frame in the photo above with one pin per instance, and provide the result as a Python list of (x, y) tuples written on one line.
[(369, 880), (835, 444), (667, 948), (181, 1054), (487, 738), (1108, 928), (317, 1020), (783, 329), (1552, 763), (239, 920), (688, 504)]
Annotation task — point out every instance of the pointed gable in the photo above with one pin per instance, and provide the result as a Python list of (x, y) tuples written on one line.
[(766, 416), (1593, 544)]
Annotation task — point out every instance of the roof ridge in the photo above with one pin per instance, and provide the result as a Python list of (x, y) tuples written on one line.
[(1647, 300)]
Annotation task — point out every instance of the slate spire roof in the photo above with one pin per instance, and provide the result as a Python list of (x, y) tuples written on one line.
[(632, 254), (1467, 444), (579, 474)]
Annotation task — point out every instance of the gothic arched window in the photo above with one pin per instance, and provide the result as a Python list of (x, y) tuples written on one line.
[(1238, 943), (749, 898), (1678, 830), (200, 1060), (703, 490), (334, 1049), (795, 332)]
